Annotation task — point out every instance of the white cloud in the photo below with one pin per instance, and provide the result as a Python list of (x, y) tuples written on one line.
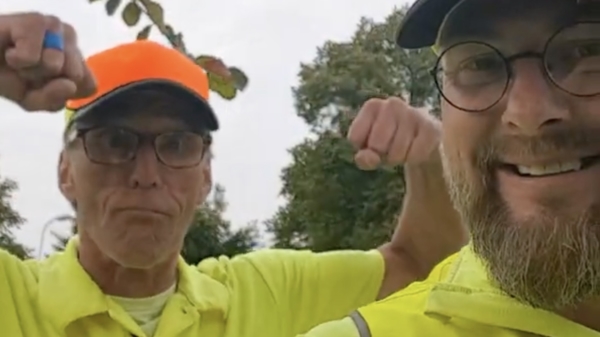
[(266, 38)]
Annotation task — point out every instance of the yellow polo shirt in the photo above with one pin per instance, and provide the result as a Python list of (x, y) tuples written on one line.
[(456, 300), (268, 293)]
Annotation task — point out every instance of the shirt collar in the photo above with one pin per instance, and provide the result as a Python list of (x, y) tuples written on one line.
[(467, 292), (64, 284)]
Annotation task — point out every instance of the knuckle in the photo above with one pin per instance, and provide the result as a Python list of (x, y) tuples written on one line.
[(373, 105), (32, 21), (396, 104), (33, 17), (27, 26), (69, 32), (53, 22)]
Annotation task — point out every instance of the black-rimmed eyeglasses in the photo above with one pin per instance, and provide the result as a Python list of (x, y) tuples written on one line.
[(119, 145), (474, 76)]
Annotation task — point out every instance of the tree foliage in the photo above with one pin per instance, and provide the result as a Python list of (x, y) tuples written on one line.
[(224, 80), (10, 220), (210, 235), (331, 204)]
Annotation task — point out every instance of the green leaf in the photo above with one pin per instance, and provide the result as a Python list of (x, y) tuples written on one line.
[(240, 79), (169, 29), (111, 6), (144, 33), (214, 65), (155, 12), (224, 88), (131, 14)]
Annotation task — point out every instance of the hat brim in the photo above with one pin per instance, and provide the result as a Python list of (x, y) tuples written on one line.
[(422, 23), (201, 116)]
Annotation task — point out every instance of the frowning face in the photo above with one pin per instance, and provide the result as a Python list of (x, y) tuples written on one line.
[(521, 142)]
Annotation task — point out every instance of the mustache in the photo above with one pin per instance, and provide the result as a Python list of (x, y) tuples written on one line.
[(556, 141)]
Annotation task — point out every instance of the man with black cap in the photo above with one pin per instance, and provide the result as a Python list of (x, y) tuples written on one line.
[(136, 165), (521, 154)]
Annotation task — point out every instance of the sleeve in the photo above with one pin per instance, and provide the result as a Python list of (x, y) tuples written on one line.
[(14, 295), (341, 328), (313, 288)]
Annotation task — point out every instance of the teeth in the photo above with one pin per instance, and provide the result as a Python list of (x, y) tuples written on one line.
[(542, 170)]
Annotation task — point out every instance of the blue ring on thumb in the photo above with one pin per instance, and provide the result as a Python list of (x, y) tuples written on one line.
[(53, 40)]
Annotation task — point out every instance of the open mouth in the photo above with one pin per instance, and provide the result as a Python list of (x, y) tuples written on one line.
[(553, 169)]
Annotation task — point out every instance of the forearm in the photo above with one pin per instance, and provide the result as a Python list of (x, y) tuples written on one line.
[(429, 229)]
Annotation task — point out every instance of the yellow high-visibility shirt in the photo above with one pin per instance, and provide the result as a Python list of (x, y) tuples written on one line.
[(456, 300), (268, 293)]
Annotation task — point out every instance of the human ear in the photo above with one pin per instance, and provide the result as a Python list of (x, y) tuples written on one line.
[(65, 181), (207, 183)]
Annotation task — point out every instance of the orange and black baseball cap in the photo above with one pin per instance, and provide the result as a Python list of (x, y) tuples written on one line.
[(142, 65)]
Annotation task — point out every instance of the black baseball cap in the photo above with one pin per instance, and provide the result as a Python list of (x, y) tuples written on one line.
[(422, 23)]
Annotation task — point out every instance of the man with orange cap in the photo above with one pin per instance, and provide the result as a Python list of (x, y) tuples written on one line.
[(135, 167)]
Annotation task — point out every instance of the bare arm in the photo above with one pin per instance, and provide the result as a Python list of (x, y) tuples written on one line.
[(429, 229)]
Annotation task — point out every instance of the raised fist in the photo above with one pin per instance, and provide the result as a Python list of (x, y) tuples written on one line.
[(389, 132), (35, 74)]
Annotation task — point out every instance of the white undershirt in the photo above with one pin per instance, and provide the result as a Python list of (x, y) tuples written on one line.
[(146, 311)]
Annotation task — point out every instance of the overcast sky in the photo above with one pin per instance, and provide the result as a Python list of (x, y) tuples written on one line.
[(266, 38)]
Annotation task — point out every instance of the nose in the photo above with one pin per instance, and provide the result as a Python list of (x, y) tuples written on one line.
[(146, 170), (533, 103)]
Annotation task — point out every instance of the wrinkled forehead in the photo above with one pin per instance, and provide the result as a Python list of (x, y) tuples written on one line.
[(513, 21)]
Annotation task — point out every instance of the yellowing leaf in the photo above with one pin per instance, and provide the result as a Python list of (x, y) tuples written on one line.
[(239, 78), (131, 14), (155, 12), (111, 6), (225, 89), (214, 65), (144, 33)]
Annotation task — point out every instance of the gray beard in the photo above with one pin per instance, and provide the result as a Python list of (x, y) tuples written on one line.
[(550, 262)]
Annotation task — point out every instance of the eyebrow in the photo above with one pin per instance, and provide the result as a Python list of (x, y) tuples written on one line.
[(456, 32)]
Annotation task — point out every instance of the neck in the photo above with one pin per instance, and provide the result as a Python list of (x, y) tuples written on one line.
[(585, 314), (117, 280)]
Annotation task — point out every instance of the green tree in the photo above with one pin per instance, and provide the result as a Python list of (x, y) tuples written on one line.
[(331, 204), (210, 235), (224, 80), (10, 220)]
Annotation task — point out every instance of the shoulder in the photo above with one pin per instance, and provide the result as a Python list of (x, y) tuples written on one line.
[(415, 295), (18, 277), (406, 307), (13, 267)]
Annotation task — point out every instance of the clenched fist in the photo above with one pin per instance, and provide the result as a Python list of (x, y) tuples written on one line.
[(389, 132), (35, 77)]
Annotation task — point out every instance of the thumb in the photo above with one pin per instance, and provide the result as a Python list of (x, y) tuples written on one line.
[(367, 160), (12, 87), (51, 97)]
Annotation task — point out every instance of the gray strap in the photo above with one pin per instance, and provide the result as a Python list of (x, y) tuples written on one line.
[(361, 324)]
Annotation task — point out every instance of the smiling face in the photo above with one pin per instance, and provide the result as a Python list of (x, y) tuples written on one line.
[(131, 206), (524, 173)]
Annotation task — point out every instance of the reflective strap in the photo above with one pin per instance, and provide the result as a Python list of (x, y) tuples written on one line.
[(361, 324)]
